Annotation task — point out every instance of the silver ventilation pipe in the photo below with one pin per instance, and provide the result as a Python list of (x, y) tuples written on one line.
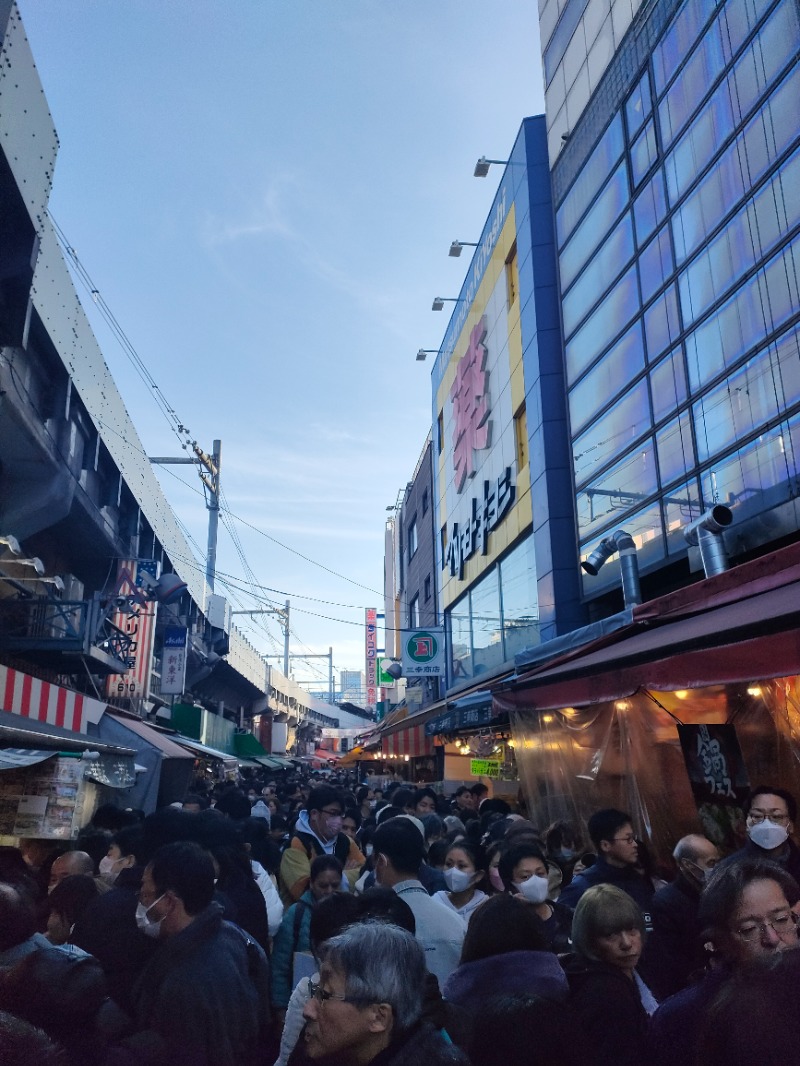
[(621, 542), (705, 533)]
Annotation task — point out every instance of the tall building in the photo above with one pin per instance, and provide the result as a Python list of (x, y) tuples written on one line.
[(673, 138)]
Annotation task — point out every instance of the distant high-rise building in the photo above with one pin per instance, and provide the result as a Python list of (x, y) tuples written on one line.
[(352, 684)]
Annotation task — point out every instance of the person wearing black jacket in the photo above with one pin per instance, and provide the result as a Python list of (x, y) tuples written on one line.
[(609, 997)]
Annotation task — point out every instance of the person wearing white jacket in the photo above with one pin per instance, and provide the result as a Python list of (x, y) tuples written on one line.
[(271, 897)]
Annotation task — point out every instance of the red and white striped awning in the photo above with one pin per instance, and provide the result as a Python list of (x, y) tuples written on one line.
[(40, 701), (411, 741)]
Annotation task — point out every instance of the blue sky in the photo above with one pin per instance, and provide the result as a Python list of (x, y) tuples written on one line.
[(264, 193)]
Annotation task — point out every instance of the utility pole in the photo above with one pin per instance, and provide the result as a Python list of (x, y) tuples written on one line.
[(210, 478), (308, 655)]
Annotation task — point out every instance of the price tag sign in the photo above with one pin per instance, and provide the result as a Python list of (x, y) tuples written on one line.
[(484, 768)]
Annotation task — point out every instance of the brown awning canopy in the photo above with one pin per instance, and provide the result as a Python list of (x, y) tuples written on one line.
[(755, 636)]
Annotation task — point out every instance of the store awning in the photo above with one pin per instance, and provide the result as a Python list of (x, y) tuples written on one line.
[(163, 742), (15, 734), (19, 758), (706, 647), (229, 762), (169, 767), (41, 701), (411, 741)]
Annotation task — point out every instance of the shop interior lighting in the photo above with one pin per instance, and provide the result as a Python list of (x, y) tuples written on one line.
[(422, 353), (483, 164), (457, 247), (11, 543), (440, 301)]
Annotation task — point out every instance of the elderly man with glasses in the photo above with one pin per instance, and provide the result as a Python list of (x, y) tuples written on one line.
[(746, 914), (368, 1002)]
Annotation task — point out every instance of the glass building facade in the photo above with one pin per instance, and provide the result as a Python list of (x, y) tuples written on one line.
[(677, 207)]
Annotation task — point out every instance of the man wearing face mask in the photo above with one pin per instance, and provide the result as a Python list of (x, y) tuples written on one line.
[(770, 816), (203, 997), (675, 949), (318, 832)]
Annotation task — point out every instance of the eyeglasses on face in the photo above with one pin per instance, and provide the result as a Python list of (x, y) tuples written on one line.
[(784, 924), (629, 839), (757, 817), (332, 814), (322, 995)]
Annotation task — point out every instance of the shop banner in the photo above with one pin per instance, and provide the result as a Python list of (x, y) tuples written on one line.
[(173, 660), (423, 652), (719, 780), (484, 767), (371, 656)]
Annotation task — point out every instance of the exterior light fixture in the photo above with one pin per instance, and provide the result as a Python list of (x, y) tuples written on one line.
[(34, 562), (621, 542), (55, 581), (440, 301), (12, 544), (423, 352), (483, 164), (457, 246)]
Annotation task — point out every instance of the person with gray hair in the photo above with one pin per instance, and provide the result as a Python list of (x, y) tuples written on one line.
[(674, 950), (368, 1002)]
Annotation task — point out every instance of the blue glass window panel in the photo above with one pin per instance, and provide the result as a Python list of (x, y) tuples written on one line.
[(655, 264), (638, 105), (615, 253), (693, 151), (668, 385), (662, 324), (616, 310), (650, 207), (738, 169), (675, 449), (681, 506), (619, 489), (675, 44), (754, 395), (699, 73), (595, 226), (619, 366), (776, 44), (520, 599), (487, 631), (593, 173), (644, 153), (614, 431), (738, 19), (759, 307), (749, 236), (756, 476), (459, 633)]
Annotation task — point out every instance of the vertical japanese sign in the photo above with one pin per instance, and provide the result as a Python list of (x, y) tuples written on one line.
[(173, 660), (371, 655), (138, 620), (719, 780)]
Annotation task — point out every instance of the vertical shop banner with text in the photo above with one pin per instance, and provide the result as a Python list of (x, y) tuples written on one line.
[(173, 660), (137, 618), (371, 655), (719, 781)]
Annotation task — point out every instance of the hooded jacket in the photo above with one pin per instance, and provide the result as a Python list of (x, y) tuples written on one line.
[(304, 846), (610, 1012)]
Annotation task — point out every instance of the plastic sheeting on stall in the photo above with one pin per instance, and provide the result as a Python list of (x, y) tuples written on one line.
[(626, 753)]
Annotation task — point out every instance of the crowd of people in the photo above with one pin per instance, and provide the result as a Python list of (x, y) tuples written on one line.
[(324, 921)]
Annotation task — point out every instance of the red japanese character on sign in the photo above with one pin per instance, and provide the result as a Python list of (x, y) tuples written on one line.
[(469, 395)]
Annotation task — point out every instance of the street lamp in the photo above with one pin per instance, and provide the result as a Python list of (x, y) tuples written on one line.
[(440, 301), (457, 246), (423, 352), (483, 164)]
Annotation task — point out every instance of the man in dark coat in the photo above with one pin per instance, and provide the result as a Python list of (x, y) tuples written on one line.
[(611, 832), (674, 949), (202, 1000)]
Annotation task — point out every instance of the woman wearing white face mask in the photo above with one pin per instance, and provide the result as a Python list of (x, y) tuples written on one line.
[(464, 871), (524, 872)]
